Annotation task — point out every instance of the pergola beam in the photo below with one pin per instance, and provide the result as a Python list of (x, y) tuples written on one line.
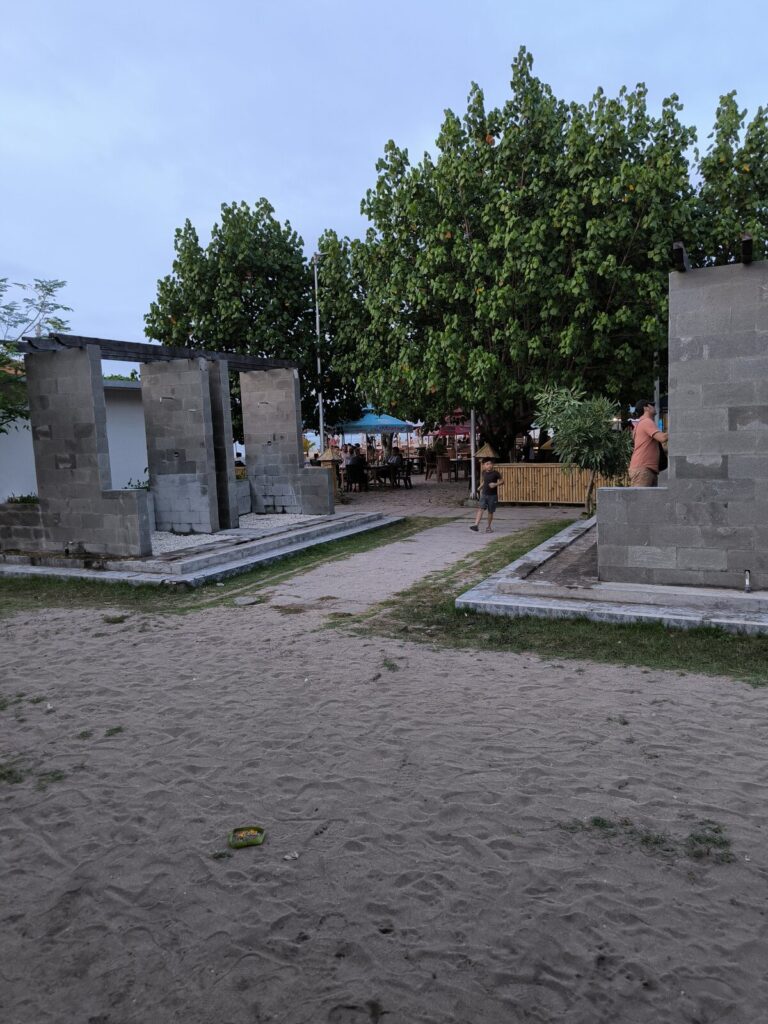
[(137, 352)]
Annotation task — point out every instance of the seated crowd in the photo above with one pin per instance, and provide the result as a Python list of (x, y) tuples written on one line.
[(354, 469)]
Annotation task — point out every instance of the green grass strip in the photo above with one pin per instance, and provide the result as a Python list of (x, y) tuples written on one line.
[(426, 613)]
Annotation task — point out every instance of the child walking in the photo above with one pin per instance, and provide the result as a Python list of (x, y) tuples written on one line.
[(489, 499)]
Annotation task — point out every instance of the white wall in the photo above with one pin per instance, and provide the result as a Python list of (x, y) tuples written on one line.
[(17, 461), (125, 435)]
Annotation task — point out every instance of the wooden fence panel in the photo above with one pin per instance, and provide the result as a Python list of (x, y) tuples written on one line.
[(547, 484)]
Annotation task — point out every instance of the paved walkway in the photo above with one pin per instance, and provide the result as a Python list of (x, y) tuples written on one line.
[(365, 579), (354, 583)]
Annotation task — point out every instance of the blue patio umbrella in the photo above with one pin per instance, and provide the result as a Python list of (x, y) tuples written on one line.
[(375, 423)]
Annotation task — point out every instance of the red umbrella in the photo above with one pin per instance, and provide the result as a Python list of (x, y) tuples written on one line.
[(454, 430)]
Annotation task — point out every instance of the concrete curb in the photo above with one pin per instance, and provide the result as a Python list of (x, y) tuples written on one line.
[(508, 593)]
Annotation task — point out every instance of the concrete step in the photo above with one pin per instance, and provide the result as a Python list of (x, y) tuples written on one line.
[(699, 598), (248, 557), (234, 560), (521, 589), (236, 545), (746, 621)]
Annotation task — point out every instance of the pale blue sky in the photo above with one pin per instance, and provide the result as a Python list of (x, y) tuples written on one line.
[(119, 121)]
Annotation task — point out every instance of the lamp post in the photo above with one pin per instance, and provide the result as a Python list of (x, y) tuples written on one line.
[(316, 257)]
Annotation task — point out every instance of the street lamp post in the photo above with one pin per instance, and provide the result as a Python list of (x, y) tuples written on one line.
[(315, 260)]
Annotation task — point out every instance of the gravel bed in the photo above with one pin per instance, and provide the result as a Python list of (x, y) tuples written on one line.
[(253, 521), (163, 543)]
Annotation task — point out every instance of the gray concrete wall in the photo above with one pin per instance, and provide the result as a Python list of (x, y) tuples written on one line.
[(243, 497), (79, 512), (21, 528), (273, 451), (223, 449), (180, 445), (710, 522)]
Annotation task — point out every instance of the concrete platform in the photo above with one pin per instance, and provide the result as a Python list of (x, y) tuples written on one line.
[(229, 553), (558, 580)]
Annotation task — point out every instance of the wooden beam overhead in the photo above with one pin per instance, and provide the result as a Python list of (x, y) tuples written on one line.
[(137, 352)]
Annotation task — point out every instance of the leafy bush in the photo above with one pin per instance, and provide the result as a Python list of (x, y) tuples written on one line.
[(585, 433), (22, 499)]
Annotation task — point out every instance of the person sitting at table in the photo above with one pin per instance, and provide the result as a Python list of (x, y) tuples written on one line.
[(401, 468), (395, 459), (388, 470), (357, 470)]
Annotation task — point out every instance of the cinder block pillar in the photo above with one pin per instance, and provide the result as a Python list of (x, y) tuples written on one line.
[(80, 512), (273, 452), (180, 445), (223, 448), (709, 524)]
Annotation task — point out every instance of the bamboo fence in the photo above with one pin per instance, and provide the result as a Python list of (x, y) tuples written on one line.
[(548, 484)]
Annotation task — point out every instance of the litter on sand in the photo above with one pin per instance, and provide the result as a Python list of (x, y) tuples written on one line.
[(246, 835)]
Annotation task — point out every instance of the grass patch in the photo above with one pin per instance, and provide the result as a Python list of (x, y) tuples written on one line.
[(426, 613), (9, 702), (114, 731), (391, 665), (11, 774), (24, 594), (44, 779), (113, 620), (708, 839), (85, 734)]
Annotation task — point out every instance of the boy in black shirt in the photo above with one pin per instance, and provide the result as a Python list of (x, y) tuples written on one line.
[(488, 496)]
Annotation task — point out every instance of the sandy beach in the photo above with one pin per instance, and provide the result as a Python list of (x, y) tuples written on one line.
[(452, 837)]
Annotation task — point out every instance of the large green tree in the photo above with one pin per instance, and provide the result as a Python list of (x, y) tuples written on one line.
[(732, 187), (533, 247), (249, 291), (345, 322), (34, 309)]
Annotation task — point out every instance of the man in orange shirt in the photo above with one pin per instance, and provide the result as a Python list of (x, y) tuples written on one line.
[(644, 464)]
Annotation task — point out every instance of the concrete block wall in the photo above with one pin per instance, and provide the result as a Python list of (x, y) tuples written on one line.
[(79, 512), (21, 527), (710, 523), (223, 449), (180, 445), (243, 497), (273, 452)]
